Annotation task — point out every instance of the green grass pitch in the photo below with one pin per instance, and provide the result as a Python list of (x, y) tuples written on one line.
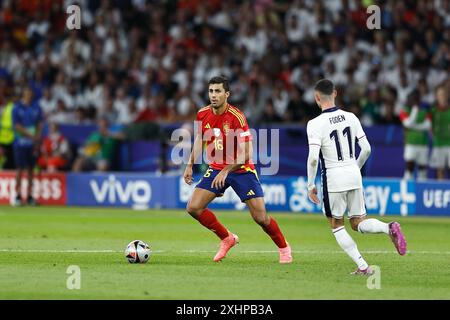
[(37, 245)]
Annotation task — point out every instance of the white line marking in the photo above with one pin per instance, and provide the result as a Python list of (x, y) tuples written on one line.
[(57, 251), (210, 251)]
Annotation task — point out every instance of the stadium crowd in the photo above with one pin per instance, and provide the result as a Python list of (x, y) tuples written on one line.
[(148, 61), (142, 60)]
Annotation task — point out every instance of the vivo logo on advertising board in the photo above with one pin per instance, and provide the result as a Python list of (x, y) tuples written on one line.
[(138, 193)]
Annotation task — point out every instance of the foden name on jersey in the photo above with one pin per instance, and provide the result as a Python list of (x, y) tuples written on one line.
[(337, 119)]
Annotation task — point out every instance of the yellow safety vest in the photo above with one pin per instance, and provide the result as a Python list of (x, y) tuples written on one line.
[(6, 124)]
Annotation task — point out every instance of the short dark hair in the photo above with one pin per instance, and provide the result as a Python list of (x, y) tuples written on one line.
[(220, 79), (324, 86)]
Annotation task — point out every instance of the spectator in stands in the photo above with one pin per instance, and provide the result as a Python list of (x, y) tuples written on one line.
[(296, 107), (108, 111), (6, 136), (185, 109), (270, 115), (55, 151), (98, 150), (388, 115), (440, 158), (60, 115), (162, 66), (47, 103), (280, 99), (27, 122), (371, 107), (178, 51), (416, 120), (94, 92), (121, 105)]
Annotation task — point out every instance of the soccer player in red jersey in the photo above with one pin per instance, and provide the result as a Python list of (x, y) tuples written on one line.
[(225, 132)]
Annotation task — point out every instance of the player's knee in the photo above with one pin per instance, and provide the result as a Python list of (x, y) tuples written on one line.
[(193, 209), (261, 218)]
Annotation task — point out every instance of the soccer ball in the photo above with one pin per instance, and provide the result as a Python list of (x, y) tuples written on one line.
[(137, 251)]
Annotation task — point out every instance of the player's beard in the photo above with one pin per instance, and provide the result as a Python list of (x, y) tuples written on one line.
[(218, 106)]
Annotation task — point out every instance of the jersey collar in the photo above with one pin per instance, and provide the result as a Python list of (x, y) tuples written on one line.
[(217, 115), (331, 109)]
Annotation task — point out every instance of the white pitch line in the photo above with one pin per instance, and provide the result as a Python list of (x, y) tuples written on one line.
[(57, 251), (323, 252), (67, 251), (210, 251)]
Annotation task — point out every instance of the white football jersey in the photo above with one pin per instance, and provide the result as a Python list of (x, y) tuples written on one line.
[(336, 131)]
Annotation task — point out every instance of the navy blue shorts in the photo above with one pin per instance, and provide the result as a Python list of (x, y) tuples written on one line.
[(245, 184), (24, 157)]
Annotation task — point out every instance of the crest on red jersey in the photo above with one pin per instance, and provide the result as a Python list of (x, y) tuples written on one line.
[(226, 127)]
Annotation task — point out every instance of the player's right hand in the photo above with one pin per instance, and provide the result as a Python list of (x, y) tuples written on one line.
[(188, 175), (312, 195)]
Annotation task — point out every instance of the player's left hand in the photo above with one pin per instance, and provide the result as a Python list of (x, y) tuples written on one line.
[(188, 175), (312, 195), (219, 180)]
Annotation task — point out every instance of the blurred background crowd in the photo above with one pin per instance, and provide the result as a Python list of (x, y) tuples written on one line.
[(148, 61), (143, 60)]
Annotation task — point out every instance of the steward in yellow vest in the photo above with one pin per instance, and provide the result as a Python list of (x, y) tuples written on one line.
[(6, 136)]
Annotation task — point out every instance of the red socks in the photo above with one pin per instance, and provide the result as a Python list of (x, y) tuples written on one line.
[(209, 220), (275, 233)]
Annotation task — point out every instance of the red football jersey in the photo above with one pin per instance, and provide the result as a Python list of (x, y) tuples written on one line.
[(222, 134)]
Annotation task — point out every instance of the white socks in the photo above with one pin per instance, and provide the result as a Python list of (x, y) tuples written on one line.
[(373, 226), (349, 246)]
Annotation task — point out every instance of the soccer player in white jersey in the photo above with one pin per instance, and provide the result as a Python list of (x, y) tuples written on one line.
[(332, 138)]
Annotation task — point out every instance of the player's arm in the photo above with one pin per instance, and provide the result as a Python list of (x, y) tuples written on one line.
[(197, 150), (365, 151), (409, 121), (315, 144), (423, 126), (363, 143), (244, 154), (22, 131)]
